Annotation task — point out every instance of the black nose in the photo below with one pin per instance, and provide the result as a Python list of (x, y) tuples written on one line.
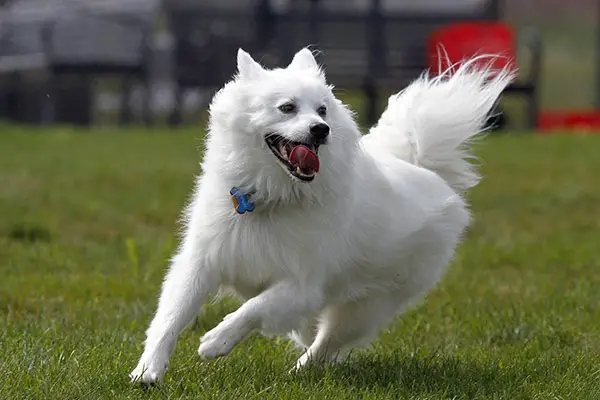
[(320, 131)]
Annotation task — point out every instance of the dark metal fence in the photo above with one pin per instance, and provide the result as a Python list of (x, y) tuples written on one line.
[(363, 45), (52, 51)]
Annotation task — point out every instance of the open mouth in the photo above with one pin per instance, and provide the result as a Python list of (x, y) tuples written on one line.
[(300, 159)]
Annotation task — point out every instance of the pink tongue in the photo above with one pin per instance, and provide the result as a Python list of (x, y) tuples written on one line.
[(303, 157)]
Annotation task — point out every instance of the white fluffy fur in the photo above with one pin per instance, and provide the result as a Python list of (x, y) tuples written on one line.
[(329, 262)]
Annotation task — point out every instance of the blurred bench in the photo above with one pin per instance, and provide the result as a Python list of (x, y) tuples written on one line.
[(72, 42)]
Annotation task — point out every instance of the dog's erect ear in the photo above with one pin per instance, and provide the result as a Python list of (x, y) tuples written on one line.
[(304, 59), (247, 67)]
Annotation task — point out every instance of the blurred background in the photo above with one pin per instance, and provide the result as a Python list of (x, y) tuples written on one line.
[(94, 62)]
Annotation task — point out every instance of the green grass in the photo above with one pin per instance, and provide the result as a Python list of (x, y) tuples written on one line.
[(87, 221)]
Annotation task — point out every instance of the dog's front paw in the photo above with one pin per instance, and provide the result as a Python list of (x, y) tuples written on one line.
[(220, 340), (308, 357), (148, 371)]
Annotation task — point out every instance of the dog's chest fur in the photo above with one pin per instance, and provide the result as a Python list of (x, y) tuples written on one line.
[(254, 250)]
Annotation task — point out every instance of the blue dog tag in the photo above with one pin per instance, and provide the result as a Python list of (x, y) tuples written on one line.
[(240, 200)]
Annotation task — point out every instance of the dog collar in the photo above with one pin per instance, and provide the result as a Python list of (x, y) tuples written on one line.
[(241, 201)]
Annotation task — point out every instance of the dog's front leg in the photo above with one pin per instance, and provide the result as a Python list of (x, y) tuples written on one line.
[(186, 287), (278, 310)]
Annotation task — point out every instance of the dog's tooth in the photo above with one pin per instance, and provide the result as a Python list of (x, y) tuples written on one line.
[(301, 173)]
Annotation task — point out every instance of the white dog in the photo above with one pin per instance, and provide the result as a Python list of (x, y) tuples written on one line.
[(325, 234)]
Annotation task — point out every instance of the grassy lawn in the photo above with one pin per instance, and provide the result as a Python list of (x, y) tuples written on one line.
[(87, 221)]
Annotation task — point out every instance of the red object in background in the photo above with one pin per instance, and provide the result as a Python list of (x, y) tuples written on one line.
[(551, 120), (571, 120), (453, 43)]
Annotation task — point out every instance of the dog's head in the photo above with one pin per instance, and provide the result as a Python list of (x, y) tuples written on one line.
[(281, 126)]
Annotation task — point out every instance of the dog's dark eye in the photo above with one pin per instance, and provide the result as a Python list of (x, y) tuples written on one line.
[(322, 111), (287, 108)]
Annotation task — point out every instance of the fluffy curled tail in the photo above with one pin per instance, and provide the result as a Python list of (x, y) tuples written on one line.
[(431, 122)]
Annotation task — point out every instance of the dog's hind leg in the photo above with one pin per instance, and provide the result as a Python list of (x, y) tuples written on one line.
[(348, 325), (305, 334), (186, 286)]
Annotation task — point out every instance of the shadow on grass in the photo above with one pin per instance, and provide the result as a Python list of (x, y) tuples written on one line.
[(454, 377), (29, 233)]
